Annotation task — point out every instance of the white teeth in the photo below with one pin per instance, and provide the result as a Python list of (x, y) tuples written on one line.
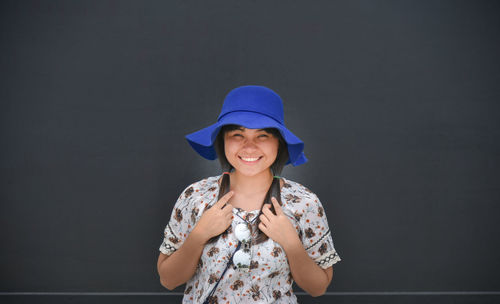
[(250, 159)]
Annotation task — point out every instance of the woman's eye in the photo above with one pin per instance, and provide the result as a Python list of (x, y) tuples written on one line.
[(263, 135)]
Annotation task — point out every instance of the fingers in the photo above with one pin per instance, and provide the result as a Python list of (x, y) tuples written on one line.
[(264, 220), (266, 209), (229, 219), (263, 228), (228, 207), (224, 199), (277, 206), (227, 210)]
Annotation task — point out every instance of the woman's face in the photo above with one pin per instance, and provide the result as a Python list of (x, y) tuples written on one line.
[(250, 151)]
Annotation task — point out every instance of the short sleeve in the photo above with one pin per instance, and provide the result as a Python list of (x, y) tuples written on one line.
[(316, 234), (182, 220)]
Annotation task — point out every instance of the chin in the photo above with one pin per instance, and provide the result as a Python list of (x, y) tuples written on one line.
[(250, 172)]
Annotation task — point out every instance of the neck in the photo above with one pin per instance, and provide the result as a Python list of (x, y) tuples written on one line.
[(251, 184)]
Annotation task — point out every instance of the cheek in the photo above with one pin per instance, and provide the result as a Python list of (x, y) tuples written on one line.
[(273, 149), (229, 149)]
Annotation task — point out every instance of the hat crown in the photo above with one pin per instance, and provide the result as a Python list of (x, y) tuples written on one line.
[(257, 99)]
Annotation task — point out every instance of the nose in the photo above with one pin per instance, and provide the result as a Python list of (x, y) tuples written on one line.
[(249, 144)]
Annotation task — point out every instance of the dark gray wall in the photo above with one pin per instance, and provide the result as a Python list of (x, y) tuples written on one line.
[(397, 101)]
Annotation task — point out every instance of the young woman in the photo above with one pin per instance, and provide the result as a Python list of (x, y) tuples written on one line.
[(244, 236)]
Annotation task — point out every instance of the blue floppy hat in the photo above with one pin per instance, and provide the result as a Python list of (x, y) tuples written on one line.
[(253, 107)]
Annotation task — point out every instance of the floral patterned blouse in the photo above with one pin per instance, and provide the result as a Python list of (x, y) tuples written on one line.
[(268, 279)]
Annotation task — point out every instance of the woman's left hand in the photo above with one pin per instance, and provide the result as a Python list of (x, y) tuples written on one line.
[(277, 227)]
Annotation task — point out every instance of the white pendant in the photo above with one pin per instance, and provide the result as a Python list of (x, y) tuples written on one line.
[(242, 233), (241, 258)]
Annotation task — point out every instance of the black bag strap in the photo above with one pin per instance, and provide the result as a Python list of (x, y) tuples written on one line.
[(229, 262)]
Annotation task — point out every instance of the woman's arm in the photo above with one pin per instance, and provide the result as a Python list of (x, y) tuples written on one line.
[(306, 273), (177, 268)]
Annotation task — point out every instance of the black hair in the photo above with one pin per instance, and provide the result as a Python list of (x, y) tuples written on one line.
[(276, 168)]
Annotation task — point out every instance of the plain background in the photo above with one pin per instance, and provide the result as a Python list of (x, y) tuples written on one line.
[(397, 102)]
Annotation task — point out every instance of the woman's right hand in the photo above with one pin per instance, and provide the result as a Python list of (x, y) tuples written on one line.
[(215, 220)]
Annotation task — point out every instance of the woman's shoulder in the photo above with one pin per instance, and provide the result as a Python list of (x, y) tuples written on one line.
[(206, 187), (296, 195), (300, 203), (209, 182), (297, 188), (203, 185)]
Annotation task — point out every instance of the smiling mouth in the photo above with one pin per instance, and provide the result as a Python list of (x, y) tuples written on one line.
[(250, 159)]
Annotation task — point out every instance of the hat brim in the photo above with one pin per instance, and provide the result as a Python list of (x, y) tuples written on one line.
[(202, 141)]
